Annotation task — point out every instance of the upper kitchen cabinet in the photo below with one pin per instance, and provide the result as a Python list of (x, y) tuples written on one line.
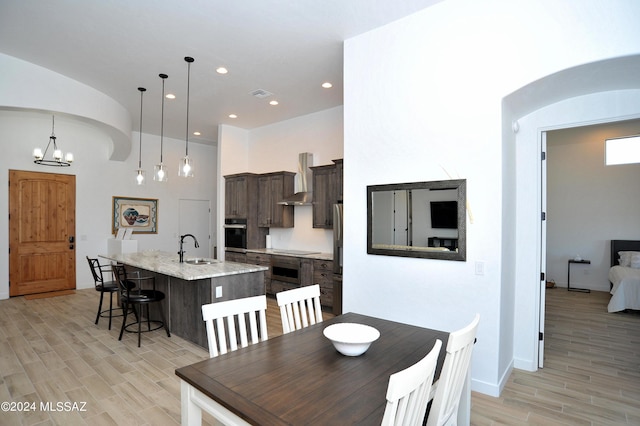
[(273, 188), (327, 190), (238, 191), (339, 181)]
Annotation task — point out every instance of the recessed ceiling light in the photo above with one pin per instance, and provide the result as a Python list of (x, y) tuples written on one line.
[(273, 103), (196, 133), (327, 85), (221, 70), (233, 116), (170, 96)]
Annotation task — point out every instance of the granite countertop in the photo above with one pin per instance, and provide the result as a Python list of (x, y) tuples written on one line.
[(294, 253), (168, 264)]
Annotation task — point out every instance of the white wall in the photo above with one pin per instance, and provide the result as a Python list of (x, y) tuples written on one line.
[(98, 179), (276, 148), (423, 101), (589, 204)]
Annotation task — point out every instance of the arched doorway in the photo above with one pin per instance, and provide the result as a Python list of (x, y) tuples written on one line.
[(592, 93)]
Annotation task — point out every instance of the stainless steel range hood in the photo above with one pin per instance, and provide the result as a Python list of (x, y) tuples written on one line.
[(303, 195)]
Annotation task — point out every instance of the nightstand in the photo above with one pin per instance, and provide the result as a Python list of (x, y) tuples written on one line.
[(584, 262)]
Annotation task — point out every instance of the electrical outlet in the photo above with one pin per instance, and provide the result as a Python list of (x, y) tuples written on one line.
[(218, 292), (479, 268)]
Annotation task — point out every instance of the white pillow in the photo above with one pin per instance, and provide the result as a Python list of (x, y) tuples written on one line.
[(625, 257), (635, 261)]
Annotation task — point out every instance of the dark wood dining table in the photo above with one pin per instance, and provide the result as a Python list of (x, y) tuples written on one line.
[(299, 378)]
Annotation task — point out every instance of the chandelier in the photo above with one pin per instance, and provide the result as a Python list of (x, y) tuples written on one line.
[(57, 156)]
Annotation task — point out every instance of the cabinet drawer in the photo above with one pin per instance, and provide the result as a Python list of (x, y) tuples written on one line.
[(232, 256), (322, 277), (322, 272), (259, 259), (323, 265)]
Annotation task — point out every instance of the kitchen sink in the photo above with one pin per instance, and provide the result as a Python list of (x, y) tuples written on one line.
[(200, 261)]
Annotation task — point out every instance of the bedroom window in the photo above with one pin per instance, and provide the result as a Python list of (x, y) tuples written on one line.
[(624, 150)]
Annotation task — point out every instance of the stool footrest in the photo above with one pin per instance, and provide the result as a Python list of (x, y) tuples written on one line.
[(155, 325)]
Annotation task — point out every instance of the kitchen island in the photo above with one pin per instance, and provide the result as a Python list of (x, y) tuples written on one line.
[(189, 286)]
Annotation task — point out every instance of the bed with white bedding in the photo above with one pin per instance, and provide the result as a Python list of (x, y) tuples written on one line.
[(624, 275)]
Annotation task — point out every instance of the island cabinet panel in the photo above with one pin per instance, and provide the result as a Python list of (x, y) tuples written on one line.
[(273, 188), (188, 295), (183, 301), (263, 260), (323, 276)]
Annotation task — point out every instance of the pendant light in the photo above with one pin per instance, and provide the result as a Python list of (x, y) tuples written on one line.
[(160, 170), (57, 154), (139, 172), (186, 165)]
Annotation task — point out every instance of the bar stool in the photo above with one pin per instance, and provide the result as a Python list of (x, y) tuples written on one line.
[(132, 295), (103, 287)]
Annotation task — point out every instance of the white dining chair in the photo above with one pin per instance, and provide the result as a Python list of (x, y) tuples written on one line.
[(455, 370), (408, 391), (299, 307), (230, 322)]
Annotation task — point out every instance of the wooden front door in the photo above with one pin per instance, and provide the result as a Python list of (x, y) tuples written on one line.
[(41, 232)]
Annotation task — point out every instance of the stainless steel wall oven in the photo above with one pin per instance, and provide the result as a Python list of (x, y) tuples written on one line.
[(235, 233)]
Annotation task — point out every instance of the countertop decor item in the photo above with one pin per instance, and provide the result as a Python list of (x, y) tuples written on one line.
[(186, 165), (57, 156), (351, 339), (140, 173), (159, 170)]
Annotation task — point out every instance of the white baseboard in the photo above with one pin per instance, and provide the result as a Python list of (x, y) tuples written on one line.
[(492, 389)]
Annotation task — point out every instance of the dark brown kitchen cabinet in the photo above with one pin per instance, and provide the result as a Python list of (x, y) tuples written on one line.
[(234, 256), (327, 190), (273, 188), (262, 259), (323, 276), (339, 181), (236, 193), (241, 202)]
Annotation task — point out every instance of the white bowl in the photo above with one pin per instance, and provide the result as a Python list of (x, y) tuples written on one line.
[(351, 339)]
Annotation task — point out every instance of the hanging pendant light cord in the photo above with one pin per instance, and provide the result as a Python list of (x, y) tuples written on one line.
[(162, 76), (142, 90), (189, 61)]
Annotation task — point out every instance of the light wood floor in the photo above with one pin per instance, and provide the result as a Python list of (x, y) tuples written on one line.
[(591, 373), (51, 352)]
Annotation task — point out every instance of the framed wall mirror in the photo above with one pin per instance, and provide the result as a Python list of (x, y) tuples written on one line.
[(418, 219)]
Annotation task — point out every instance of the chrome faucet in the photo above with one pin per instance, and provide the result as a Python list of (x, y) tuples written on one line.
[(181, 252)]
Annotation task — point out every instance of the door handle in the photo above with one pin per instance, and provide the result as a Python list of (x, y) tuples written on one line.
[(71, 239), (70, 246)]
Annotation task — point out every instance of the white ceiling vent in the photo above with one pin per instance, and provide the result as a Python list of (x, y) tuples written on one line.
[(260, 94)]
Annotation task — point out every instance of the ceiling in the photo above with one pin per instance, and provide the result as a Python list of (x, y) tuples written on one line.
[(287, 48)]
